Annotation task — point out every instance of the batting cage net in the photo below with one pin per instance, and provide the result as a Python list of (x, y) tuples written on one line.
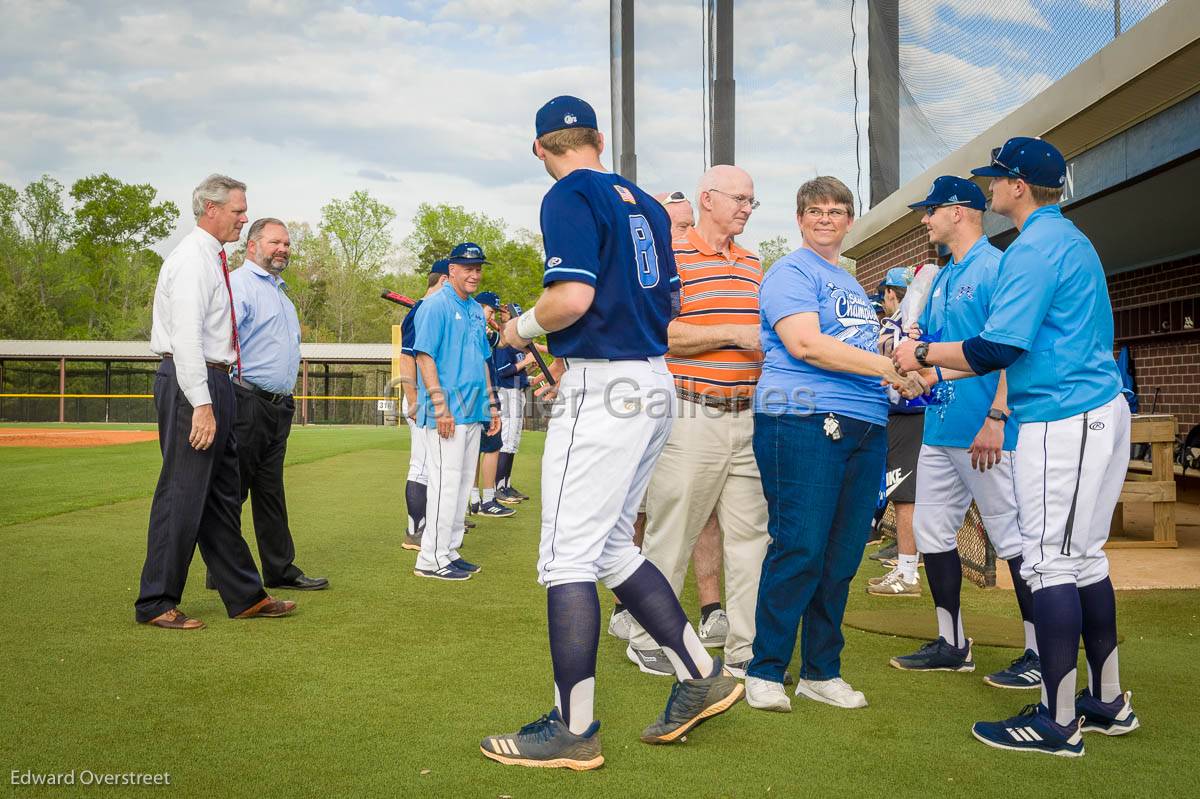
[(974, 549), (964, 64)]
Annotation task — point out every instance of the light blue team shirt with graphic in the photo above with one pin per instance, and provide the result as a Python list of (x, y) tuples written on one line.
[(1052, 301), (960, 300), (804, 282)]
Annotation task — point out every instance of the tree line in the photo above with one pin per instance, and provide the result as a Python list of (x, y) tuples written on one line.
[(80, 263)]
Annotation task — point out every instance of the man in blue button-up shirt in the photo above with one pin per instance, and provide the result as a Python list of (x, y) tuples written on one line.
[(269, 333)]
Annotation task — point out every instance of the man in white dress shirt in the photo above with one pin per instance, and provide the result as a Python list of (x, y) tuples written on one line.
[(197, 501)]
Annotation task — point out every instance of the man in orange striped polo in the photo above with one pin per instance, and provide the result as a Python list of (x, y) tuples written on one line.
[(708, 464)]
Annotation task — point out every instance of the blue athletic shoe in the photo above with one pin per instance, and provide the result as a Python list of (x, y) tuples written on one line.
[(1032, 730), (547, 743), (1024, 672), (445, 573), (1110, 718), (937, 655), (465, 566), (495, 509)]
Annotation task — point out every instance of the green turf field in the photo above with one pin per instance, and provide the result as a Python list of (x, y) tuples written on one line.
[(384, 684)]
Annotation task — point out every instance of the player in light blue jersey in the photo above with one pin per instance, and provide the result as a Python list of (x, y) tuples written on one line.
[(1051, 327), (967, 450), (610, 279)]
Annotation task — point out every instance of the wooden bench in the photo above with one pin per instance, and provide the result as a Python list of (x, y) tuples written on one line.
[(1158, 487)]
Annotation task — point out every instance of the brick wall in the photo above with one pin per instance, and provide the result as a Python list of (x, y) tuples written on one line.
[(1170, 364), (911, 249)]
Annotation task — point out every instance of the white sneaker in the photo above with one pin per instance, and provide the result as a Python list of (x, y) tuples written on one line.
[(766, 695), (714, 631), (836, 692), (620, 624), (894, 583)]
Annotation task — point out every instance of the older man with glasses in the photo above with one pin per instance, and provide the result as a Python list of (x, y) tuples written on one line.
[(708, 464)]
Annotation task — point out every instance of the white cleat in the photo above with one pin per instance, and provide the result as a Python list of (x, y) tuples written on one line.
[(767, 695), (836, 692)]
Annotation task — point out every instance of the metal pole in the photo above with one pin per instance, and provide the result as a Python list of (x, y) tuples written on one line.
[(1116, 18), (62, 389), (107, 387), (304, 391), (883, 77), (723, 88), (620, 37)]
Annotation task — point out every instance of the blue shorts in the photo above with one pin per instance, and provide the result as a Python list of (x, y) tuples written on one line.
[(490, 443)]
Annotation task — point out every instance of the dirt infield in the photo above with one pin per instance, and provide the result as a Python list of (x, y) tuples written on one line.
[(51, 437)]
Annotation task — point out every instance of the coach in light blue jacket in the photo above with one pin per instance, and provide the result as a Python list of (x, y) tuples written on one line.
[(820, 439)]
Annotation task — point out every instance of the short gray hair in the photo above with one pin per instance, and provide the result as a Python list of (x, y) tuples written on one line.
[(259, 224), (214, 189)]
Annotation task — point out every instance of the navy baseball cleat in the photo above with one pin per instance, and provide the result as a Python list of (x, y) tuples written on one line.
[(692, 702), (1110, 718), (1032, 730), (494, 509), (506, 497), (465, 566), (516, 493), (937, 655), (444, 573), (1024, 672), (547, 743)]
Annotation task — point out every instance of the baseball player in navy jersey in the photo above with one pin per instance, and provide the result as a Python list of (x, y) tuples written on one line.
[(454, 407), (512, 381), (967, 454), (1050, 326), (484, 495), (415, 489), (610, 279)]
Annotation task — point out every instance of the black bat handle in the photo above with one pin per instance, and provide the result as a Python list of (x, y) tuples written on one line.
[(515, 310)]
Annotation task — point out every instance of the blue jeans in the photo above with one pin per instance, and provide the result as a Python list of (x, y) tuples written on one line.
[(820, 495)]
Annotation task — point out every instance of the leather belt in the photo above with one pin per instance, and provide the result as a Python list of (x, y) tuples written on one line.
[(224, 367), (712, 401), (269, 396)]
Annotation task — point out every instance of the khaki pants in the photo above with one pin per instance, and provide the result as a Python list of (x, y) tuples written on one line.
[(709, 463)]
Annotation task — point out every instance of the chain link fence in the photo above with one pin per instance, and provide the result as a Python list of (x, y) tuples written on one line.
[(974, 549)]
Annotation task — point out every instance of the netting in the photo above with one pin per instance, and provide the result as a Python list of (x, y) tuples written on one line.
[(974, 549), (964, 64)]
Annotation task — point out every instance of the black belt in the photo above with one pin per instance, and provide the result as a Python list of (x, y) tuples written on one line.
[(224, 367), (269, 396), (713, 401)]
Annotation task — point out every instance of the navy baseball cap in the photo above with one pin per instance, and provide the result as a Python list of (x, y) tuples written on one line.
[(468, 253), (440, 267), (489, 299), (952, 190), (564, 112), (1035, 161)]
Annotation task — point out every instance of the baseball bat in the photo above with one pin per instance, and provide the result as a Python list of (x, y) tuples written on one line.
[(514, 311), (399, 299)]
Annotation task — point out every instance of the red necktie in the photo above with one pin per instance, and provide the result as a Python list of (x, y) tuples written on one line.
[(237, 350)]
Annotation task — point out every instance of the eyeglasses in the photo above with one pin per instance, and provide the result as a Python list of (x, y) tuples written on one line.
[(1013, 173), (675, 197), (740, 199), (834, 214)]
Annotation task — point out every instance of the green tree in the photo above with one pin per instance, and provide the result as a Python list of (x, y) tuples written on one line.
[(772, 250), (357, 234)]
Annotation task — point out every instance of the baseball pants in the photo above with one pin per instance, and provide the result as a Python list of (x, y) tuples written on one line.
[(451, 465), (1069, 475), (609, 424), (512, 415), (708, 463), (417, 467), (946, 485)]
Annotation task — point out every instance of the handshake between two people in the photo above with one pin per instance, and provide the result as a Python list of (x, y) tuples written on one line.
[(903, 373)]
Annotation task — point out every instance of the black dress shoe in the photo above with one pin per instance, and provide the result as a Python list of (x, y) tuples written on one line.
[(303, 583)]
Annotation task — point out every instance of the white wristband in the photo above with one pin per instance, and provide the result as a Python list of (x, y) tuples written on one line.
[(528, 327)]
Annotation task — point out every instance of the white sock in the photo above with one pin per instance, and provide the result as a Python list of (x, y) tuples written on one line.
[(1064, 712), (475, 495), (488, 495), (950, 628), (1030, 637), (699, 654), (581, 710), (907, 564)]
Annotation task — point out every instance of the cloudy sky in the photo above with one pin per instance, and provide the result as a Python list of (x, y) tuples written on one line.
[(420, 101)]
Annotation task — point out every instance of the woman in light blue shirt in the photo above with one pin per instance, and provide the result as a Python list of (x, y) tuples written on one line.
[(820, 439)]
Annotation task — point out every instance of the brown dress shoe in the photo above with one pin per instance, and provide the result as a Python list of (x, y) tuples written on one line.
[(269, 607), (173, 619)]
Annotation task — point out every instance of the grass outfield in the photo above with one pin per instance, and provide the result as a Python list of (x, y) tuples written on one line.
[(384, 684)]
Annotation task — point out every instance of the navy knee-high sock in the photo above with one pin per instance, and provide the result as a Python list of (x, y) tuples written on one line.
[(573, 613), (648, 597), (414, 499), (1059, 619), (1100, 639), (504, 470), (944, 572), (1024, 602)]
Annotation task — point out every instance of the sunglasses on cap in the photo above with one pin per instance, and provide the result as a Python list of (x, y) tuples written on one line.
[(675, 197), (996, 162)]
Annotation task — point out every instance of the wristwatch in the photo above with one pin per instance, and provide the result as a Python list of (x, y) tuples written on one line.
[(997, 414), (920, 352)]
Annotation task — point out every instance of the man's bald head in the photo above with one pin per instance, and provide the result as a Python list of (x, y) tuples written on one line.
[(682, 216), (726, 198)]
